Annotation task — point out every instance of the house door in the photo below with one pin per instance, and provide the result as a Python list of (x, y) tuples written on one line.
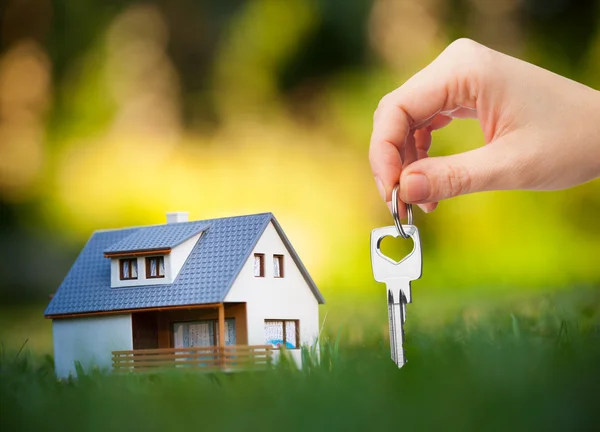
[(202, 333)]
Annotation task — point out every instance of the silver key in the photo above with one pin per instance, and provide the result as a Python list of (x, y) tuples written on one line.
[(397, 276)]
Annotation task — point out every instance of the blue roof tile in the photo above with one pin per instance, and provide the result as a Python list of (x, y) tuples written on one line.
[(206, 277), (158, 237)]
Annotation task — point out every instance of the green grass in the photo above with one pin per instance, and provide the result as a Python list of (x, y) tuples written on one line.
[(535, 367)]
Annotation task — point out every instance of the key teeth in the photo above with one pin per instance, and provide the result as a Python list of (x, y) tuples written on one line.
[(407, 294)]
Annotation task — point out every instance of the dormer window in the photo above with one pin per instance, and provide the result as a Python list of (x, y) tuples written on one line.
[(152, 255), (155, 267), (128, 269)]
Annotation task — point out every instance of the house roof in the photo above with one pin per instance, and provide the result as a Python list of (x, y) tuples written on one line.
[(206, 277), (158, 237)]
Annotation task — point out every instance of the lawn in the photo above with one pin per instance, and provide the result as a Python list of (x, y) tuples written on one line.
[(531, 367)]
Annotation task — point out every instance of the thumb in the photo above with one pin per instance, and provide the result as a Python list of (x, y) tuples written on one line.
[(434, 179)]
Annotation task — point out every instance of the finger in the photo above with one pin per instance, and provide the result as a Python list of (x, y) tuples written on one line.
[(442, 86), (439, 121), (461, 113), (410, 150), (409, 155), (422, 144), (384, 155), (487, 168)]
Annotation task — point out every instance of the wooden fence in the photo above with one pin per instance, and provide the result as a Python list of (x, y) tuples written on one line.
[(225, 358)]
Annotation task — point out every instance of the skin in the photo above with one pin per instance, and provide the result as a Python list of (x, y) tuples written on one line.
[(542, 131)]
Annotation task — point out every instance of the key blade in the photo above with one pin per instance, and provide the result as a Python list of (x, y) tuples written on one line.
[(397, 317)]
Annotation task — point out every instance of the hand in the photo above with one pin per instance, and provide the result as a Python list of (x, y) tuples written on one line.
[(542, 130)]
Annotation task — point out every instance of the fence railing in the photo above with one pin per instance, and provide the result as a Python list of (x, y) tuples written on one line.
[(232, 357)]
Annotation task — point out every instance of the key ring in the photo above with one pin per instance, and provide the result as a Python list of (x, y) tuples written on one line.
[(396, 215)]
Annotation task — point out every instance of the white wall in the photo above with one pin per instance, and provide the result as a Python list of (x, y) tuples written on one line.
[(275, 298), (89, 341), (173, 263)]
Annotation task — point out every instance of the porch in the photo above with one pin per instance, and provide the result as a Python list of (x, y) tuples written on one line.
[(224, 358), (213, 336)]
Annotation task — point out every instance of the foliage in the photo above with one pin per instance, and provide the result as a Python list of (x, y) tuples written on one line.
[(503, 372)]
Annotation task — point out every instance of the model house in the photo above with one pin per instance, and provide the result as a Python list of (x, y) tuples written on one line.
[(184, 291)]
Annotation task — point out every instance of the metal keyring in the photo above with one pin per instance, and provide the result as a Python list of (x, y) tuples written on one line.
[(396, 215)]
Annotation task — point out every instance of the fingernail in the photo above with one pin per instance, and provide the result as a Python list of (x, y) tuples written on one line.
[(380, 188), (416, 187), (428, 208)]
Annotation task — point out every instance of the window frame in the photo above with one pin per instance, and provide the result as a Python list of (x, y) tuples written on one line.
[(283, 321), (279, 257), (261, 257), (148, 265), (130, 261)]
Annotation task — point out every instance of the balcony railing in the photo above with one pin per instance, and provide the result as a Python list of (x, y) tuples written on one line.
[(224, 358)]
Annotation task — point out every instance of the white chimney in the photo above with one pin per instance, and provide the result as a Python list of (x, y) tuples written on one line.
[(175, 217)]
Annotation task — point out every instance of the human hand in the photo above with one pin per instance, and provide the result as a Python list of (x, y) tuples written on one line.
[(542, 130)]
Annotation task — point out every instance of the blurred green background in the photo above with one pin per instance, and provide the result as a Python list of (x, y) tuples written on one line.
[(114, 112)]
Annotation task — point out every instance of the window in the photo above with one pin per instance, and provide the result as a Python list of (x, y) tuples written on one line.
[(128, 268), (259, 265), (278, 266), (282, 333), (155, 267), (202, 333)]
